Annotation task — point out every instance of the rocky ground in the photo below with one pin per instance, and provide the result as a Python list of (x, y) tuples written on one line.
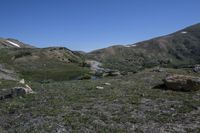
[(136, 103)]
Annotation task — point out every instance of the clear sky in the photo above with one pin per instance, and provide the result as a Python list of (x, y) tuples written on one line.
[(91, 24)]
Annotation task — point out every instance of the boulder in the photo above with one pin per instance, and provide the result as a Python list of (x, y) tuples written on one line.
[(18, 91), (182, 83)]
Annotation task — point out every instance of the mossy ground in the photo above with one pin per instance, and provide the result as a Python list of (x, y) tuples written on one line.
[(133, 103)]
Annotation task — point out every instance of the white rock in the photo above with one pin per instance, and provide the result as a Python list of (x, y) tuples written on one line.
[(128, 46), (100, 87), (107, 84), (28, 89)]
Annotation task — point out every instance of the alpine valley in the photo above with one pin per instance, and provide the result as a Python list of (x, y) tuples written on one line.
[(147, 87)]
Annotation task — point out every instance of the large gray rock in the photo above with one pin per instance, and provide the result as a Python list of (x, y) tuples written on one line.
[(98, 70), (95, 66), (182, 83), (18, 91)]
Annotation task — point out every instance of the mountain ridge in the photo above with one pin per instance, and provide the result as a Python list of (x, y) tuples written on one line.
[(179, 48)]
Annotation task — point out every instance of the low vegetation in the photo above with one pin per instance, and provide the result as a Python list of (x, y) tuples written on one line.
[(134, 103)]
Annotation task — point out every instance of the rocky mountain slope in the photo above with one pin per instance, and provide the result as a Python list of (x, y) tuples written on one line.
[(178, 49), (13, 43)]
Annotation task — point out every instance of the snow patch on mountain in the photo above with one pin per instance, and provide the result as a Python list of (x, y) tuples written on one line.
[(128, 46), (184, 32), (14, 44)]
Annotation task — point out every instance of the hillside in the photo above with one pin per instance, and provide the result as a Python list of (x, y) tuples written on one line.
[(178, 49), (35, 64)]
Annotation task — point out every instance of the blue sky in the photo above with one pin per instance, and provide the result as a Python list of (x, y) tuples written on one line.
[(91, 24)]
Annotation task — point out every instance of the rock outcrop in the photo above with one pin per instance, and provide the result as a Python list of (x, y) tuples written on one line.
[(95, 66), (97, 69), (182, 83)]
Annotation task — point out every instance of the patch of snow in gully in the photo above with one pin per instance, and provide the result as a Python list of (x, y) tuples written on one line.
[(14, 44)]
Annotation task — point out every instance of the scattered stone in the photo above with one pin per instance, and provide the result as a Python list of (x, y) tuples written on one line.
[(157, 69), (196, 68), (100, 87), (107, 84), (182, 83)]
